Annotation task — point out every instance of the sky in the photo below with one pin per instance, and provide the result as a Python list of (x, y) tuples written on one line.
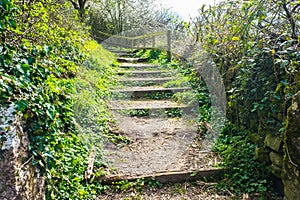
[(186, 8)]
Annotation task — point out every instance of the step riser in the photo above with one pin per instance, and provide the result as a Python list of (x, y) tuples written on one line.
[(141, 68), (131, 60), (143, 95), (122, 54), (158, 112), (171, 177), (143, 83), (145, 74)]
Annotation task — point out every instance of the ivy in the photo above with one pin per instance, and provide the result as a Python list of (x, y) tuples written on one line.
[(39, 72)]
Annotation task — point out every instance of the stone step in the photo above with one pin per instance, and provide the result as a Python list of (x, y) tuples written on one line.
[(131, 60), (166, 177)]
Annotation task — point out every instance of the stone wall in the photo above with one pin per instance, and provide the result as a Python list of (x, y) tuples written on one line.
[(291, 164), (283, 153), (18, 178)]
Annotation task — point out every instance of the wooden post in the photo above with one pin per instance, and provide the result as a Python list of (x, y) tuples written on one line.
[(169, 45), (153, 42)]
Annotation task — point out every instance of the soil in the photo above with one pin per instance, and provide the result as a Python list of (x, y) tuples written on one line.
[(182, 191), (158, 145)]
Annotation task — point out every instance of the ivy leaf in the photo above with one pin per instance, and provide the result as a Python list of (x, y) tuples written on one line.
[(2, 26), (25, 67), (21, 105), (12, 23), (235, 39)]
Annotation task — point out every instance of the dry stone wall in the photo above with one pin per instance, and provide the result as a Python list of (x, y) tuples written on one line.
[(291, 164)]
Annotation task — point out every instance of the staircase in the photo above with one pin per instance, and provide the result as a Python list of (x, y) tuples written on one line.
[(165, 142)]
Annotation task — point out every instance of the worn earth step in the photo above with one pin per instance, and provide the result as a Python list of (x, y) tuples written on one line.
[(153, 105), (146, 74), (116, 51), (167, 177), (144, 92), (131, 60), (138, 66), (127, 55), (144, 81), (152, 89)]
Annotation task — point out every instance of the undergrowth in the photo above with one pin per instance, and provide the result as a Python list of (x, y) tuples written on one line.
[(244, 174), (58, 80)]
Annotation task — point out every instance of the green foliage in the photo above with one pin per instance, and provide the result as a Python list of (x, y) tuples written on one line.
[(257, 52), (159, 95), (93, 84), (137, 185), (244, 174), (174, 112), (40, 55)]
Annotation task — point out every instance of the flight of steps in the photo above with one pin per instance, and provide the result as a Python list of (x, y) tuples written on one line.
[(161, 130)]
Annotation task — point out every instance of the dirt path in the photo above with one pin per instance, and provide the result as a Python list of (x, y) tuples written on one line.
[(164, 133)]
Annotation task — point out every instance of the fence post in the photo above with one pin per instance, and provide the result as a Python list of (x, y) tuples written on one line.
[(169, 45), (153, 42)]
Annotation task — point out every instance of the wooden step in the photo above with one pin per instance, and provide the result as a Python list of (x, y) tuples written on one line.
[(127, 55), (166, 177), (152, 89), (149, 92), (139, 105), (131, 60), (144, 81), (117, 51), (146, 73), (138, 66)]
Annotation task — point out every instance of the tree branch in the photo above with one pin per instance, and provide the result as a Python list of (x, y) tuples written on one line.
[(291, 20)]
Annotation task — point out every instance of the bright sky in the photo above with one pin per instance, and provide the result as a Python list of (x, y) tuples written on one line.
[(186, 8)]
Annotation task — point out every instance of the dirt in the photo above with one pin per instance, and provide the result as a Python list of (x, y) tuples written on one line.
[(184, 191), (158, 145)]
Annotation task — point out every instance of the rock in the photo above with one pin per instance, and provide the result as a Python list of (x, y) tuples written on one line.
[(273, 142), (291, 165), (276, 159), (262, 154), (18, 178), (276, 170)]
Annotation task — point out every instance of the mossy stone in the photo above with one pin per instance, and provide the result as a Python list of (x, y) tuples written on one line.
[(276, 170), (291, 164), (276, 158), (273, 142), (262, 154)]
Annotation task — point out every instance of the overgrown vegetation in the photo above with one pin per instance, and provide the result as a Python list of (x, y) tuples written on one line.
[(255, 45), (58, 78), (244, 174), (42, 58)]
